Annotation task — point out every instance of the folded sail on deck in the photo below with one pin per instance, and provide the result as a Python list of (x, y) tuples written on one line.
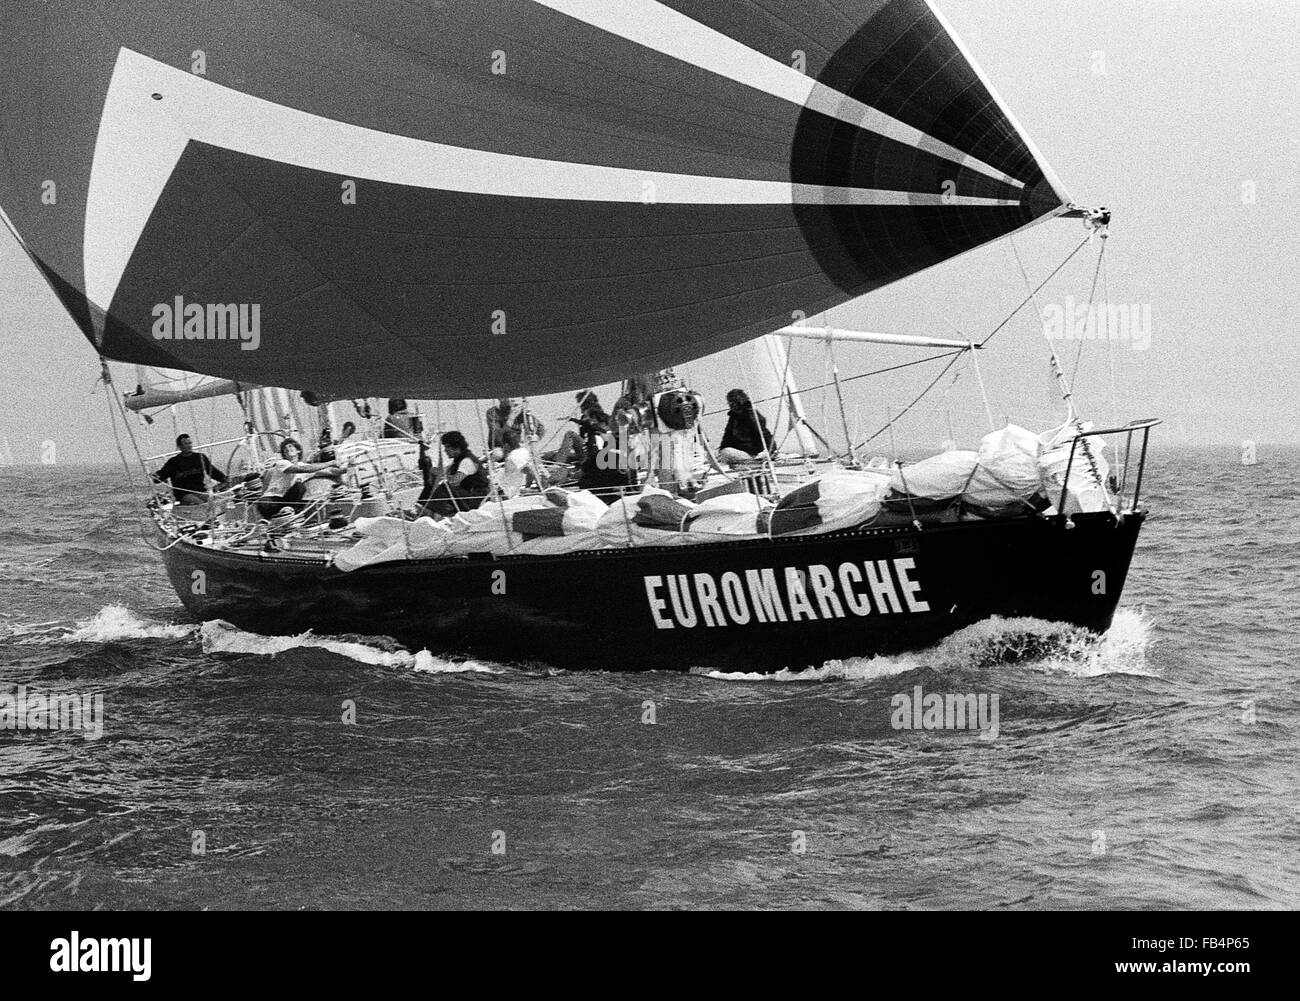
[(502, 198), (160, 387)]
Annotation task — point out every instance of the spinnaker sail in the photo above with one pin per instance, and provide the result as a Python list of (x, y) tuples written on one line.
[(509, 197)]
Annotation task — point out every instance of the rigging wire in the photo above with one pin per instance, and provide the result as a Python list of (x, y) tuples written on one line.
[(797, 419), (955, 355), (110, 394), (984, 393), (1092, 295), (953, 359), (1057, 369), (785, 395), (766, 358), (1112, 347), (822, 396), (1066, 391), (853, 378), (1033, 295), (839, 398), (1029, 298)]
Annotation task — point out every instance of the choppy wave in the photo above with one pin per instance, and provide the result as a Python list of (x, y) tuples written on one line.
[(221, 637), (116, 623), (111, 624), (1033, 644), (1027, 643)]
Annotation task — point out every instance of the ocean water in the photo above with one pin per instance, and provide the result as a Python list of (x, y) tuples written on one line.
[(1155, 767)]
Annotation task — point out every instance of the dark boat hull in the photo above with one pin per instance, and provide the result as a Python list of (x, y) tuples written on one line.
[(730, 606)]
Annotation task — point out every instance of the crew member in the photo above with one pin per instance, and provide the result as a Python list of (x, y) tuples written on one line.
[(571, 448), (746, 437), (284, 488), (517, 466), (604, 471), (505, 415), (462, 486), (401, 423), (188, 472)]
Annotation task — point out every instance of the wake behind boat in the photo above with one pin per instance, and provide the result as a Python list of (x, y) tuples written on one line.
[(355, 227)]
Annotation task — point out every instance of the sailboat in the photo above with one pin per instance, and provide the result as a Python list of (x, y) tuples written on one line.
[(510, 199)]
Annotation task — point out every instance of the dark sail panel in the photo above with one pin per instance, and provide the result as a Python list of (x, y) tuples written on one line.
[(502, 198)]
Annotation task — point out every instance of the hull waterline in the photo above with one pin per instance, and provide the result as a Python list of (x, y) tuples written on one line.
[(743, 606)]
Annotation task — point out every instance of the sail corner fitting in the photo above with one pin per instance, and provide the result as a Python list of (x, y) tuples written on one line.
[(1095, 220)]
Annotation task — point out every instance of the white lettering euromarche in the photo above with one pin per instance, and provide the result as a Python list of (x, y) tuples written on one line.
[(786, 594), (102, 955)]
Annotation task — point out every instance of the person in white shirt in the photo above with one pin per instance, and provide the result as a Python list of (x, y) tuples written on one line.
[(282, 486), (516, 470)]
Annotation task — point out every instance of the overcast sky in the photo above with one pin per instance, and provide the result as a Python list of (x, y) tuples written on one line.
[(1182, 117)]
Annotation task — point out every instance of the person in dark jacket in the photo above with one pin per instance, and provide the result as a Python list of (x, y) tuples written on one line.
[(462, 486), (603, 471), (746, 437), (188, 473)]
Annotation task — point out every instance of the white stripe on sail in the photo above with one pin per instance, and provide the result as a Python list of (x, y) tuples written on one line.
[(1043, 165), (141, 139), (655, 26)]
